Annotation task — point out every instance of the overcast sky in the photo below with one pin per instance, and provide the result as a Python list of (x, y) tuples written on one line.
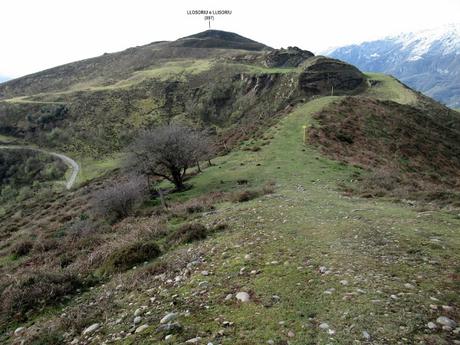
[(38, 34)]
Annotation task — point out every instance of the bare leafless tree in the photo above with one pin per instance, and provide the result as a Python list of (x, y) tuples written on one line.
[(167, 152)]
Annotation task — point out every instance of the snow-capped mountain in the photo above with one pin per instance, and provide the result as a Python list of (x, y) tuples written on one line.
[(428, 61)]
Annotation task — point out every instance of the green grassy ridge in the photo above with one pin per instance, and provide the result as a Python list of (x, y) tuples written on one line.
[(376, 245), (322, 228), (389, 88), (96, 167)]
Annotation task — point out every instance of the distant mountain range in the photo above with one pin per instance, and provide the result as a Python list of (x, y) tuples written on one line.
[(428, 61), (3, 78)]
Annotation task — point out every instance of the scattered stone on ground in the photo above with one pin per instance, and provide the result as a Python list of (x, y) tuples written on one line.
[(242, 296)]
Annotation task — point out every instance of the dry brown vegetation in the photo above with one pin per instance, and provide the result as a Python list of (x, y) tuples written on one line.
[(77, 248), (411, 151)]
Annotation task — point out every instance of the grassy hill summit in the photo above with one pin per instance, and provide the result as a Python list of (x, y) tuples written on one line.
[(326, 210), (220, 39)]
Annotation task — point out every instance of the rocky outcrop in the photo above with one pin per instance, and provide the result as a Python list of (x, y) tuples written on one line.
[(258, 82), (290, 57), (322, 75)]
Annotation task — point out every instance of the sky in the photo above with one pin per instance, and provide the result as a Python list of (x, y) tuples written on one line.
[(35, 35)]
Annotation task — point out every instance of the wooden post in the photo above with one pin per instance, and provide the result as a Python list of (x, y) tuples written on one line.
[(304, 134)]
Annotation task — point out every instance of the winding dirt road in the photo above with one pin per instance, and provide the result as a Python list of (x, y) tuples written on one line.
[(67, 160)]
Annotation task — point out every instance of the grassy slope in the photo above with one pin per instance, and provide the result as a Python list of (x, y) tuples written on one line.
[(375, 245), (175, 69), (389, 88), (378, 247)]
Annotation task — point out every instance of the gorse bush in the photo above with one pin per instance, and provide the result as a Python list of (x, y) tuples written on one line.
[(125, 257)]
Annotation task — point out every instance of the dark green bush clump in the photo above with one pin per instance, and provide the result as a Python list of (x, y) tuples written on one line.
[(22, 248), (126, 257)]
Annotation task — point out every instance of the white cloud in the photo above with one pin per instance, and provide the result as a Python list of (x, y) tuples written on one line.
[(40, 34)]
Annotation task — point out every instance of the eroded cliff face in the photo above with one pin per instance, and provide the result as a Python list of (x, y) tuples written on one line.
[(322, 75), (290, 57)]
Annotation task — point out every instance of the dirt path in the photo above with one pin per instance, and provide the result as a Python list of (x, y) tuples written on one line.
[(67, 160)]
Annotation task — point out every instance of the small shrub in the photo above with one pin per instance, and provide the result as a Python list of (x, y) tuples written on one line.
[(380, 183), (244, 195), (194, 208), (22, 248), (201, 204), (269, 188), (249, 194), (130, 255), (219, 227), (82, 227), (45, 245), (34, 290), (76, 319), (45, 337), (189, 232), (252, 148), (118, 201)]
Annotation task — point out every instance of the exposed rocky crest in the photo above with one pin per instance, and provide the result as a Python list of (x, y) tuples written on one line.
[(290, 57)]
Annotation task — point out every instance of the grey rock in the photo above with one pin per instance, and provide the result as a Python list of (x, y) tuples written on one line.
[(324, 326), (19, 331), (169, 327), (168, 318), (445, 321), (141, 328), (243, 296), (447, 308), (137, 320), (91, 329), (431, 325)]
